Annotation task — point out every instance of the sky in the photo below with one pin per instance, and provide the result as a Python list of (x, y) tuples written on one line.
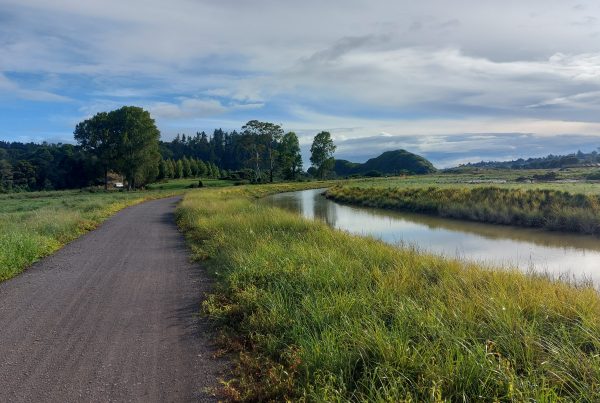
[(456, 81)]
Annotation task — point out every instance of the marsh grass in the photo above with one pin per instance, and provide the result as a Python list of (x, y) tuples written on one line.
[(36, 224), (527, 207), (320, 315)]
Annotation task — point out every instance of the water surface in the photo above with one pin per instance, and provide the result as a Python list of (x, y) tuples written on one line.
[(572, 255)]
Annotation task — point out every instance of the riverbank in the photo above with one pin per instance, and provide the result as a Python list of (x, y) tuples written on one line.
[(319, 314), (537, 208)]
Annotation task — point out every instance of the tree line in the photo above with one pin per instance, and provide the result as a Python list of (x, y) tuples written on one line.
[(188, 168), (126, 141)]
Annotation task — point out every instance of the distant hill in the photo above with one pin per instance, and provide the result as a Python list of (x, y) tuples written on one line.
[(551, 161), (389, 163)]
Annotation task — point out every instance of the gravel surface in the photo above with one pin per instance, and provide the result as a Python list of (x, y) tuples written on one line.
[(110, 317)]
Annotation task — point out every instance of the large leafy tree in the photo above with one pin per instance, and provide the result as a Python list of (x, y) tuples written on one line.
[(266, 139), (98, 137), (125, 140), (321, 151), (138, 138), (290, 159)]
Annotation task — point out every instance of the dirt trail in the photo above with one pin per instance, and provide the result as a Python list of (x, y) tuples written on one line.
[(110, 317)]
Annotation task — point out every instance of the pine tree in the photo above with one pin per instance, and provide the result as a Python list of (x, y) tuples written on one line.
[(179, 169)]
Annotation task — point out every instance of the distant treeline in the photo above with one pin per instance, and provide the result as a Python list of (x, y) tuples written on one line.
[(45, 166), (33, 167), (188, 168), (548, 162), (126, 142)]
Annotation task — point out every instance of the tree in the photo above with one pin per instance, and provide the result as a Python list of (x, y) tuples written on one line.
[(194, 167), (97, 136), (125, 140), (202, 169), (172, 168), (216, 172), (266, 137), (24, 175), (6, 176), (138, 153), (187, 169), (289, 158), (179, 169), (163, 170), (321, 151)]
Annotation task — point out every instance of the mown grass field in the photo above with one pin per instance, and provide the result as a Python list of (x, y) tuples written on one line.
[(316, 314)]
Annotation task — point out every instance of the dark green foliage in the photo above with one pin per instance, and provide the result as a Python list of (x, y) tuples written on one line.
[(548, 176), (289, 158), (47, 167), (6, 176), (266, 137), (187, 169), (321, 153), (389, 163), (593, 175), (179, 169), (138, 152), (99, 137)]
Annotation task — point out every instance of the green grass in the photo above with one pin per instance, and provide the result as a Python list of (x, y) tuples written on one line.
[(573, 207), (571, 180), (174, 184), (36, 224), (320, 315)]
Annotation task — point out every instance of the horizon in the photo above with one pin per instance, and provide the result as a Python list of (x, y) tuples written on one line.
[(455, 83)]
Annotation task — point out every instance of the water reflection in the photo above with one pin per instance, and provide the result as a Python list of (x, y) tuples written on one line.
[(558, 253)]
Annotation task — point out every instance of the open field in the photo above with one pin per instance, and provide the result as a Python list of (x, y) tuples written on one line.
[(321, 315), (571, 180), (495, 197), (35, 224)]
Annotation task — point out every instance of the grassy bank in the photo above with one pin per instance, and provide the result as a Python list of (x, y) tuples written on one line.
[(321, 315), (35, 224), (527, 207)]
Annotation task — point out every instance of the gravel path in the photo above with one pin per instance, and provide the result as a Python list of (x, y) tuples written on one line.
[(110, 317)]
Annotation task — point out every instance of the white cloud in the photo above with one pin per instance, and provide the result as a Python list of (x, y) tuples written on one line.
[(196, 108), (9, 88), (355, 68)]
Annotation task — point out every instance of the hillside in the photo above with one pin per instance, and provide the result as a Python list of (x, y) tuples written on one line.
[(389, 163)]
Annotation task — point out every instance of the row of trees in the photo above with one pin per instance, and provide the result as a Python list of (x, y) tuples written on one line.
[(126, 141), (25, 167), (187, 168), (263, 147)]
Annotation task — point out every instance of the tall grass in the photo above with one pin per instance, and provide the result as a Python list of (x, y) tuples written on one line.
[(36, 224), (541, 208), (321, 315)]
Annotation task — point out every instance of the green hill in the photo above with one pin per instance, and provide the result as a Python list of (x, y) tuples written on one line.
[(389, 163)]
